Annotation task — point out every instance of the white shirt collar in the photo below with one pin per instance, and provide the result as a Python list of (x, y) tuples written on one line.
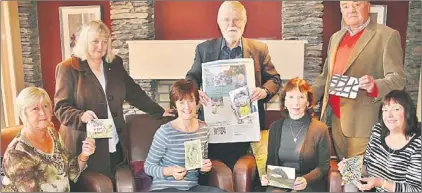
[(360, 28)]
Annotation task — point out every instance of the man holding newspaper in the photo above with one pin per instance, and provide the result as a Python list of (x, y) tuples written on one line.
[(231, 20)]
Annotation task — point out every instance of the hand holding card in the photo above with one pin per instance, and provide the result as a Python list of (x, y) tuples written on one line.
[(193, 154), (344, 86), (282, 177), (99, 128)]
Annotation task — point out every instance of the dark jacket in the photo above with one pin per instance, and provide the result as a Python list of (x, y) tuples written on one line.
[(78, 90), (314, 156), (265, 73)]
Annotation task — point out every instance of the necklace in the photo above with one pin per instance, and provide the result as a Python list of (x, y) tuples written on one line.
[(391, 153), (293, 135)]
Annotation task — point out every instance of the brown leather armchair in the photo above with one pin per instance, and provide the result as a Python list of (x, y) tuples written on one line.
[(244, 174), (88, 181), (334, 177)]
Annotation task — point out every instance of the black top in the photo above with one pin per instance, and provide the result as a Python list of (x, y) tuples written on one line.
[(314, 157), (291, 142)]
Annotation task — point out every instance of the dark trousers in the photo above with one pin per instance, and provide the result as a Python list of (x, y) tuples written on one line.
[(228, 153), (198, 188), (116, 159)]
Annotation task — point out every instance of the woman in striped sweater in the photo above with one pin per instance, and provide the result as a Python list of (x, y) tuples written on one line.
[(393, 154), (166, 157)]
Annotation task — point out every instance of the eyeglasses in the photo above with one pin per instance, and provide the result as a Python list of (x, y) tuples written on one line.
[(236, 21)]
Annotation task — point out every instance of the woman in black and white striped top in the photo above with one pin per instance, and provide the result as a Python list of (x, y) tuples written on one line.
[(393, 154)]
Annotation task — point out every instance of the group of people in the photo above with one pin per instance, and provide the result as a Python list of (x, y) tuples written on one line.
[(93, 84)]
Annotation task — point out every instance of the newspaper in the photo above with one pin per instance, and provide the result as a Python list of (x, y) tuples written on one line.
[(231, 116)]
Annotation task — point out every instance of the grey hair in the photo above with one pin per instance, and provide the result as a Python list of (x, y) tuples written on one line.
[(236, 5), (29, 96), (81, 48)]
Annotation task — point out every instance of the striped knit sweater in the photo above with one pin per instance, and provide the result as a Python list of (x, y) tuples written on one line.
[(402, 166), (167, 149)]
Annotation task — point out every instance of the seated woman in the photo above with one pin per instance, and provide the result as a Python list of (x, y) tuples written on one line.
[(299, 141), (37, 159), (392, 159), (166, 157)]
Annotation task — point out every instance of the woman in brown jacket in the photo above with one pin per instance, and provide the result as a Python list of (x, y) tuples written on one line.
[(93, 84)]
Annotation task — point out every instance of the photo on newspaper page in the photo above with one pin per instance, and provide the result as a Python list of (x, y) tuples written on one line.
[(241, 102), (230, 123)]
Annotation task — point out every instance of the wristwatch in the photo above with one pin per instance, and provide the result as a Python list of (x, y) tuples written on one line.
[(266, 90)]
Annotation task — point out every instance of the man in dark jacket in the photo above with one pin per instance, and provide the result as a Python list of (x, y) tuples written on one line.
[(231, 20)]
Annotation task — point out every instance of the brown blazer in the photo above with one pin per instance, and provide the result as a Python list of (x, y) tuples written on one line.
[(265, 73), (377, 53), (78, 90)]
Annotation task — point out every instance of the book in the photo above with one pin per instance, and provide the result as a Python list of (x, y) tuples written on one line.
[(281, 177), (100, 128), (193, 154)]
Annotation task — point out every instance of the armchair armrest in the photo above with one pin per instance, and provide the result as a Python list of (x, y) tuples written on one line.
[(124, 180), (220, 176), (90, 181), (243, 173), (334, 177)]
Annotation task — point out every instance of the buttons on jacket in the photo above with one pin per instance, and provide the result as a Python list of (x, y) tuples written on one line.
[(110, 97), (114, 114)]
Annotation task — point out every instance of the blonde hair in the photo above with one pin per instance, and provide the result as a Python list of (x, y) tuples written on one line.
[(235, 5), (30, 96), (81, 48)]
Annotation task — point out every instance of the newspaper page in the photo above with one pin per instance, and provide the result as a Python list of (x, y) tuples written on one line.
[(231, 116)]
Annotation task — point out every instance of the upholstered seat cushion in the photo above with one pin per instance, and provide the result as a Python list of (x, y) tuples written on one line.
[(142, 180)]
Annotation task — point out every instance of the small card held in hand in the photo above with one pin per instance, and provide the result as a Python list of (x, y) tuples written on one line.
[(344, 86), (282, 177), (351, 169), (193, 154), (99, 128)]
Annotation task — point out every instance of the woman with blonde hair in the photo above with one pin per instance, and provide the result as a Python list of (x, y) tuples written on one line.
[(37, 159), (93, 84)]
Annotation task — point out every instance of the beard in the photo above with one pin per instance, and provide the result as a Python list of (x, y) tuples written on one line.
[(232, 36)]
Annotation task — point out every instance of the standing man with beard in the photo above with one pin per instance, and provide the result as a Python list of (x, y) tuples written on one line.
[(231, 20)]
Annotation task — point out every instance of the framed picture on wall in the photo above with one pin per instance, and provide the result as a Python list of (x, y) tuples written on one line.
[(378, 13), (71, 20)]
